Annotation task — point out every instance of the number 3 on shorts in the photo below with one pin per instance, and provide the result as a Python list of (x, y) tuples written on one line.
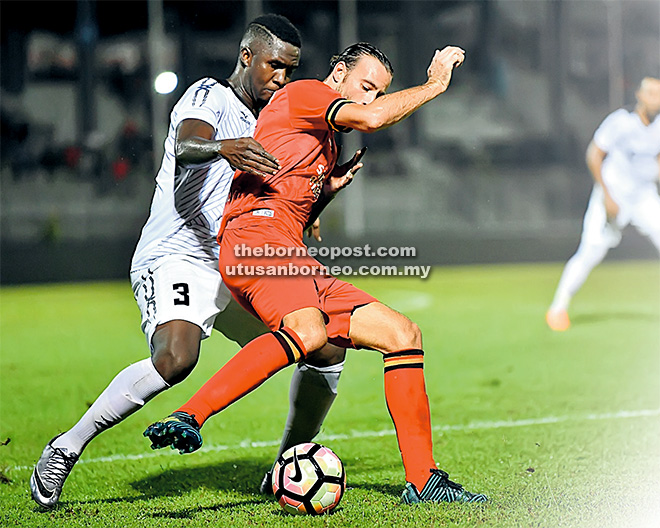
[(182, 289)]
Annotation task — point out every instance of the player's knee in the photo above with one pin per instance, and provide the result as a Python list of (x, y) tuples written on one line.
[(407, 335), (309, 326), (174, 364), (175, 349), (413, 335), (314, 338)]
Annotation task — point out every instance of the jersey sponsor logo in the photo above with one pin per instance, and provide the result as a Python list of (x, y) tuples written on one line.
[(316, 181), (264, 212)]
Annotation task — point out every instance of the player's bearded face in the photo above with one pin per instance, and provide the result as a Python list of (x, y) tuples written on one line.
[(649, 97), (367, 80), (272, 68)]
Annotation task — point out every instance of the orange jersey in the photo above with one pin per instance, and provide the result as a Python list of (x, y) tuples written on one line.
[(297, 127)]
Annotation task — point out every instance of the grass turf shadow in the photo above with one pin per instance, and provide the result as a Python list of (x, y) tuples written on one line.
[(190, 513), (600, 317), (242, 475), (384, 489)]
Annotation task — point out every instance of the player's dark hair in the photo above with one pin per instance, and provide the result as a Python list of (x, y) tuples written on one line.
[(352, 54), (265, 27)]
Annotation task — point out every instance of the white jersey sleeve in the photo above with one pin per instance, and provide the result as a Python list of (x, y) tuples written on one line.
[(187, 206)]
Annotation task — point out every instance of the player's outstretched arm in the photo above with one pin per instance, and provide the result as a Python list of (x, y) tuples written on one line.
[(195, 147), (389, 109)]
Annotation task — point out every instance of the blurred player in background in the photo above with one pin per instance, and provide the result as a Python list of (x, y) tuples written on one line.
[(305, 311), (174, 272), (624, 160)]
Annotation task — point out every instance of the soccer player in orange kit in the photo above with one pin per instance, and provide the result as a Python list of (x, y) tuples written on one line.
[(307, 309)]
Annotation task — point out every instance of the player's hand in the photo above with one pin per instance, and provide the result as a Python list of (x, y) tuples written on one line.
[(315, 230), (442, 66), (611, 208), (248, 155), (342, 175)]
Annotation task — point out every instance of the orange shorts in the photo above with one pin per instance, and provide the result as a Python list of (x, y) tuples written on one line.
[(274, 286)]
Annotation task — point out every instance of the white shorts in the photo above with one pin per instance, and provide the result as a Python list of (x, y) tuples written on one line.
[(177, 288), (596, 230), (640, 208)]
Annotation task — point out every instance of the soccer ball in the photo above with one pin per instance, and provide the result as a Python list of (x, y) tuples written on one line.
[(308, 479)]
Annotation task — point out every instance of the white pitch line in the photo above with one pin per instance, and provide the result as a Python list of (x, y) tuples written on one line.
[(473, 426)]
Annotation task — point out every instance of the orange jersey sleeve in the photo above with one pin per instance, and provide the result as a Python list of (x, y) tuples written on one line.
[(314, 105)]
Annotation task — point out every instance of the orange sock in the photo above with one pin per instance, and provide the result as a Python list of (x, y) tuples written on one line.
[(250, 367), (405, 393)]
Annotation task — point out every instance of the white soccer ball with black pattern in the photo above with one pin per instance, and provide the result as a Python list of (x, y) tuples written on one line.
[(308, 479)]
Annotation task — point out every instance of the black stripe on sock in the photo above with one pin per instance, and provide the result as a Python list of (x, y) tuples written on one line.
[(409, 366), (410, 352), (295, 343), (287, 349)]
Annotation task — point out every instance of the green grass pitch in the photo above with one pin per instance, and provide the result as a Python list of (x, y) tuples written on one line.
[(558, 429)]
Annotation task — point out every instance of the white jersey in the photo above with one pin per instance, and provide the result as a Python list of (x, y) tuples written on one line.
[(632, 151), (187, 206)]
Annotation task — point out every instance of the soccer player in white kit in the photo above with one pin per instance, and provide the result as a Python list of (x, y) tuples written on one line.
[(174, 271), (624, 160)]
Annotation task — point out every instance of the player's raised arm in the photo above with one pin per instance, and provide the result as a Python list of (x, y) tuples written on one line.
[(385, 110), (195, 147)]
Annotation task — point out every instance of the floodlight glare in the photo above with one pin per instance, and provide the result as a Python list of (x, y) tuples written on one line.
[(166, 82)]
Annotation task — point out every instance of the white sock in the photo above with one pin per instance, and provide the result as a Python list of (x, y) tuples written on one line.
[(312, 391), (575, 272), (127, 392)]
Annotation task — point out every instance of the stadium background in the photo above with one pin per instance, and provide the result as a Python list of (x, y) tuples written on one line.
[(560, 429), (493, 171)]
